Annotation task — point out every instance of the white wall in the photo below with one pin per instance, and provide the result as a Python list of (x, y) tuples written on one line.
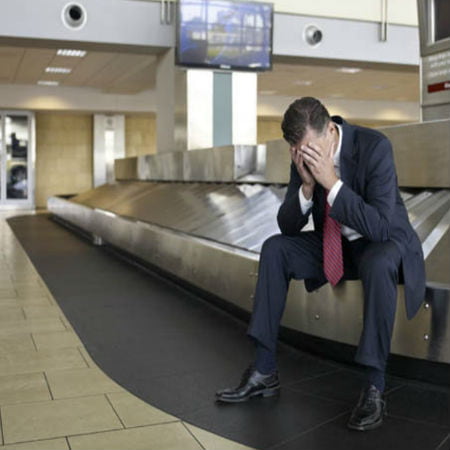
[(402, 12)]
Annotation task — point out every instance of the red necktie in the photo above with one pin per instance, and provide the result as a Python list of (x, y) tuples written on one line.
[(333, 264)]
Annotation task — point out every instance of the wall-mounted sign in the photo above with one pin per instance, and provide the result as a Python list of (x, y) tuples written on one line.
[(436, 78), (437, 87)]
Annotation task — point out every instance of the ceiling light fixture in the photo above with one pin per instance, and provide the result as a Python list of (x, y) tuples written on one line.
[(349, 69), (58, 70), (48, 83), (71, 52), (268, 92), (303, 82)]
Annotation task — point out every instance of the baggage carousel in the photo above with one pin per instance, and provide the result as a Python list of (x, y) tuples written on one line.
[(206, 226)]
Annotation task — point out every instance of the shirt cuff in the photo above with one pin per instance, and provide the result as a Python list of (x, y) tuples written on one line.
[(334, 192), (305, 204)]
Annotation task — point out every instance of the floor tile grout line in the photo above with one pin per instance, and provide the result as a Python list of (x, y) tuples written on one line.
[(30, 402), (323, 397), (94, 432), (293, 438), (34, 342), (62, 436), (192, 434), (446, 439), (1, 426), (48, 385), (114, 409), (113, 430), (422, 422), (98, 395), (84, 359), (313, 377)]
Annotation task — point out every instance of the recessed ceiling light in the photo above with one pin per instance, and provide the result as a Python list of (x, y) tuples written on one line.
[(58, 70), (349, 69), (48, 83), (71, 52), (303, 82), (267, 92), (337, 95)]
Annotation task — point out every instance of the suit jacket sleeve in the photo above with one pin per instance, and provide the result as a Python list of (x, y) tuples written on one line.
[(371, 215), (290, 217)]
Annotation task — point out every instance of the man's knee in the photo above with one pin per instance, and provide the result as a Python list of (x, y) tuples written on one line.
[(273, 246), (379, 259)]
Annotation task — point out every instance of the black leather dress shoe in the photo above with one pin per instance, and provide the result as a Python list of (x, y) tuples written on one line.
[(252, 384), (368, 413)]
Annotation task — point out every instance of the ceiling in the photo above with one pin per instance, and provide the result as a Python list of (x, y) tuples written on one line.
[(325, 80), (120, 73), (127, 73)]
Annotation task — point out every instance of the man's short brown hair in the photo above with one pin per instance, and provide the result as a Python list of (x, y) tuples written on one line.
[(301, 114)]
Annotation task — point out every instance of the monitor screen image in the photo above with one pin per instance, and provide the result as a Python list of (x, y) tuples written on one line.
[(224, 34), (441, 20)]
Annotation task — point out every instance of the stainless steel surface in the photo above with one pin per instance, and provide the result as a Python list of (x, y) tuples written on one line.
[(422, 153), (228, 163), (163, 166), (435, 112), (126, 169), (278, 160), (211, 234), (215, 164)]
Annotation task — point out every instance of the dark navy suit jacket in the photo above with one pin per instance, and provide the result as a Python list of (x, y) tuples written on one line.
[(368, 202)]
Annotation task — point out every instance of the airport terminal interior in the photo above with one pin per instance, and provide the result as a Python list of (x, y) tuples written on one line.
[(142, 165)]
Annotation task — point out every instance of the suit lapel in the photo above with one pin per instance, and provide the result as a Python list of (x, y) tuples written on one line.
[(348, 157)]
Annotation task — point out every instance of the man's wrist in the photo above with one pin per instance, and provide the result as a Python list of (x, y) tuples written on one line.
[(331, 183)]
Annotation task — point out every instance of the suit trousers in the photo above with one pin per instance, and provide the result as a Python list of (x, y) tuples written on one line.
[(376, 264)]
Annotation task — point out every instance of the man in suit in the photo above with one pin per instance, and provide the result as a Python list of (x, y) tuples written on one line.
[(344, 176)]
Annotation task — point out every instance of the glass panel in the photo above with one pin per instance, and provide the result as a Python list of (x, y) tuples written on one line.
[(1, 158), (17, 141), (441, 19)]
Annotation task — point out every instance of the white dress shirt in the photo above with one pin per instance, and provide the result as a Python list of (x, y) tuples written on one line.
[(306, 205)]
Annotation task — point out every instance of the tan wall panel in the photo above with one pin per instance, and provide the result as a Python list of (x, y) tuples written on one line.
[(63, 155), (140, 134), (269, 129)]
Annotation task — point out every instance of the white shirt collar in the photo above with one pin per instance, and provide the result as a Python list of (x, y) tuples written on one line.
[(337, 153)]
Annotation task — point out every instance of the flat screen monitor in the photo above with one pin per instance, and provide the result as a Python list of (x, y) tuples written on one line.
[(224, 34), (441, 20)]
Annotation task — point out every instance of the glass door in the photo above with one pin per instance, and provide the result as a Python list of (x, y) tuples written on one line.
[(17, 160)]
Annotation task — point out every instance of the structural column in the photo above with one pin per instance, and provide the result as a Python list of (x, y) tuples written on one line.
[(200, 108)]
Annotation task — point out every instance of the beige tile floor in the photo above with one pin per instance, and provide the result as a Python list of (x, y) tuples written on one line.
[(52, 394)]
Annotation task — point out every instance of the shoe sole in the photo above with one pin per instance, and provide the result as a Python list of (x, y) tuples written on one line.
[(372, 426), (265, 393)]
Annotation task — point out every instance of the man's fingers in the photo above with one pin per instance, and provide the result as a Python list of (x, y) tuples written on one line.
[(317, 149), (310, 155)]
